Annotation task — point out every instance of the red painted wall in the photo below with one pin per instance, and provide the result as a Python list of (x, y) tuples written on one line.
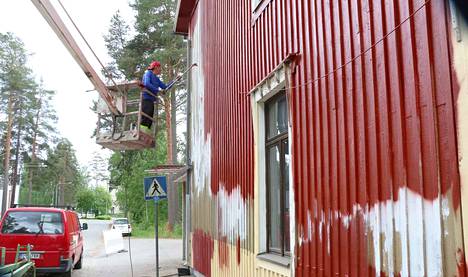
[(372, 111)]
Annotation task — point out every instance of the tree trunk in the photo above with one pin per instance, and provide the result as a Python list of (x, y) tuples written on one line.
[(167, 110), (7, 147), (15, 178), (61, 191), (169, 107), (33, 154)]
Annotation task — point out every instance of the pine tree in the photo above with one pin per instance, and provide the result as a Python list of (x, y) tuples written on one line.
[(97, 170), (154, 40), (64, 165), (40, 133), (116, 40), (15, 82)]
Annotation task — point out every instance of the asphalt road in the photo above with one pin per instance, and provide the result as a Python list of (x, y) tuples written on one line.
[(97, 263)]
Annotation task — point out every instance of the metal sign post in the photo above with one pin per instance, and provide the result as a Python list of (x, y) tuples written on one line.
[(156, 236), (156, 190)]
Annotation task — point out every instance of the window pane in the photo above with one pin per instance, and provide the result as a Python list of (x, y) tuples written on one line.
[(287, 161), (274, 178), (277, 116), (33, 223), (121, 221)]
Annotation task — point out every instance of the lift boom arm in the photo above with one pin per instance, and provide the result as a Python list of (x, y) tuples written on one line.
[(49, 13)]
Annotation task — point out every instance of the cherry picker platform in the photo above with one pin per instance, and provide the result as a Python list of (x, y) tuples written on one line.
[(124, 132)]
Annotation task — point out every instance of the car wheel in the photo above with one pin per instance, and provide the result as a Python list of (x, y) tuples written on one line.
[(79, 264), (67, 274)]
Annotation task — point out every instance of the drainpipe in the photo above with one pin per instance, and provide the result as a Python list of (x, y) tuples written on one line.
[(188, 135)]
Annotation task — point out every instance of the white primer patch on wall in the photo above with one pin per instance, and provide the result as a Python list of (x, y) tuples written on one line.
[(383, 220), (233, 214), (201, 147)]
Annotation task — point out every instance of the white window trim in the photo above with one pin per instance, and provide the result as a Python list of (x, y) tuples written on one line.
[(276, 82)]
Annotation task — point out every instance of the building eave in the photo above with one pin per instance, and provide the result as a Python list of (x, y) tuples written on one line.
[(183, 16)]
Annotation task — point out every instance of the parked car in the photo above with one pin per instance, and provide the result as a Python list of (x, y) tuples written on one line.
[(55, 236), (122, 225)]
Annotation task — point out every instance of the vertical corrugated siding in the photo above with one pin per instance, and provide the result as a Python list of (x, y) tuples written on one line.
[(374, 148), (374, 141)]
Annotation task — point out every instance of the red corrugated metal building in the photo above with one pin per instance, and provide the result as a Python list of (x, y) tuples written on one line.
[(327, 137)]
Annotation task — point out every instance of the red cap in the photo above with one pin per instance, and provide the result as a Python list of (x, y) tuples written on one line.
[(154, 64)]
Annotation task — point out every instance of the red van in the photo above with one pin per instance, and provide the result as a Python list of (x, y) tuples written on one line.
[(54, 235)]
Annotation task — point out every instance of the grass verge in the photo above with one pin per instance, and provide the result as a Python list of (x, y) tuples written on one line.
[(142, 231)]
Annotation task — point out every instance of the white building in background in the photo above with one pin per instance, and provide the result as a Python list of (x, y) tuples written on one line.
[(10, 188)]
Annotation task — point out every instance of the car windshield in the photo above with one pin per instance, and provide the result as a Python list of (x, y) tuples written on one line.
[(121, 221), (33, 223)]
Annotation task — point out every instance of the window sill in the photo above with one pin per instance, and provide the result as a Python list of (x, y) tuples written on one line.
[(283, 261)]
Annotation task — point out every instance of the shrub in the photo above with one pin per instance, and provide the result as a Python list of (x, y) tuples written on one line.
[(104, 217)]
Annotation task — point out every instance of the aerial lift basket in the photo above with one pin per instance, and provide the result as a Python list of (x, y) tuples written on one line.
[(123, 132)]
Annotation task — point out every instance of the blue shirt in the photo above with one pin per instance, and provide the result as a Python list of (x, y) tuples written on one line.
[(153, 84)]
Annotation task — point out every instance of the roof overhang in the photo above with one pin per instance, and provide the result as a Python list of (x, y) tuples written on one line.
[(177, 172), (184, 15)]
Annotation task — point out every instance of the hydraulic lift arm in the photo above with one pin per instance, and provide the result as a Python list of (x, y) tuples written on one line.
[(49, 13), (122, 131)]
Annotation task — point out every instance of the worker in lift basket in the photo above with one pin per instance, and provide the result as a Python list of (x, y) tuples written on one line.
[(152, 83)]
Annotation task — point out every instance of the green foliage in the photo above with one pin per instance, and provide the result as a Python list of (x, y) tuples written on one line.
[(153, 40), (59, 170), (16, 86), (97, 200), (26, 105), (40, 124), (127, 174), (103, 201), (147, 231), (103, 217), (115, 43), (85, 200), (15, 76)]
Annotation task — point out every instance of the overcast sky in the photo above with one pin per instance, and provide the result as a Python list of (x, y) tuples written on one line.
[(53, 63)]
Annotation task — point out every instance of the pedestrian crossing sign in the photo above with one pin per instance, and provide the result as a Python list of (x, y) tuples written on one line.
[(155, 188)]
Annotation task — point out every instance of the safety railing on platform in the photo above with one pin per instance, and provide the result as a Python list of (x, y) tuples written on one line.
[(124, 132)]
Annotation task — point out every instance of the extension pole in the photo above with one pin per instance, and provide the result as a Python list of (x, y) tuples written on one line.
[(156, 236), (181, 75)]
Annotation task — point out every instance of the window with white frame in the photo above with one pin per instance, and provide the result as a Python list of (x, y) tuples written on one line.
[(274, 207), (277, 174)]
